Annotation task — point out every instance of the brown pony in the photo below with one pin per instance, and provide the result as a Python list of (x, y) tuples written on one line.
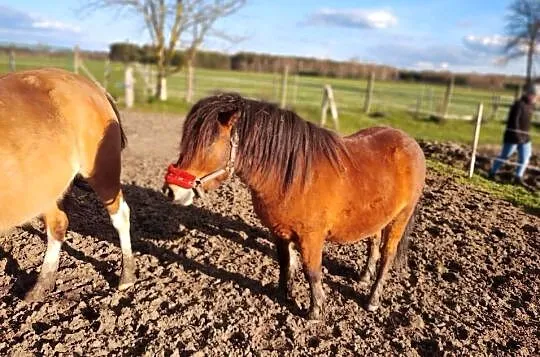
[(308, 184), (55, 125)]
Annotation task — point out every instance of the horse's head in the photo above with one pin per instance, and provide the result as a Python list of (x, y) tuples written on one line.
[(207, 157)]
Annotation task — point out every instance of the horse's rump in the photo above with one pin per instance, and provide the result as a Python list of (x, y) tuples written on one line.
[(52, 123)]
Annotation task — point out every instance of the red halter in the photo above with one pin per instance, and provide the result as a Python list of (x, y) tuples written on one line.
[(178, 177), (184, 179)]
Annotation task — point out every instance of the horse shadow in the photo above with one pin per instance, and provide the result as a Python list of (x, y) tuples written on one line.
[(155, 219)]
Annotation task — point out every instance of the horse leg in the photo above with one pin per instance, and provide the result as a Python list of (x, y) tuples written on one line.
[(311, 250), (287, 265), (392, 234), (374, 255), (56, 223), (113, 199)]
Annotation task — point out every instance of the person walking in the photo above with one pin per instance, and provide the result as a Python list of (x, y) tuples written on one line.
[(516, 135)]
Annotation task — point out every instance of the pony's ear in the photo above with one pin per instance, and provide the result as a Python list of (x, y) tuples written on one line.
[(229, 118)]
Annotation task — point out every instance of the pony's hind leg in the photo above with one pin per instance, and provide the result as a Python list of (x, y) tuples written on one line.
[(373, 258), (392, 236), (111, 195), (56, 223), (311, 248), (119, 212), (287, 265)]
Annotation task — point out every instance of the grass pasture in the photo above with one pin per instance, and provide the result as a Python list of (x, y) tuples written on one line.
[(396, 100)]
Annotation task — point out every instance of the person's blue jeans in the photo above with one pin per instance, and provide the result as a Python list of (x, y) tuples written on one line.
[(524, 155)]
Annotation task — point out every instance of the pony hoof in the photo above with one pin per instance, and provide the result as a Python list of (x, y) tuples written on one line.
[(34, 295), (372, 308), (125, 286), (315, 315), (363, 282)]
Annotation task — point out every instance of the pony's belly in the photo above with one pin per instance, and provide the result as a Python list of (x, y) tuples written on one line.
[(352, 237), (23, 197)]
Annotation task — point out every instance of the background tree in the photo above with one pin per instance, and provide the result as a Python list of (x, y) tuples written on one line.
[(523, 28), (167, 22)]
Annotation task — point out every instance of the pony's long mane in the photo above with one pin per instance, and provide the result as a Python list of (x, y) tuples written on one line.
[(274, 144)]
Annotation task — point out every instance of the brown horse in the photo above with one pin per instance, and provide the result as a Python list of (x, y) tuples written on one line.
[(55, 125), (308, 184)]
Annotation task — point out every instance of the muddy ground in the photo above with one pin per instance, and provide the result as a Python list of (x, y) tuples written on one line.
[(207, 277)]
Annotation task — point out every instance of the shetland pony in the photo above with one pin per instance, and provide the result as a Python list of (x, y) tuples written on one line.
[(54, 126), (308, 184)]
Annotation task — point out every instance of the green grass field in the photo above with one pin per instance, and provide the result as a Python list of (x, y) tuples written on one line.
[(397, 100)]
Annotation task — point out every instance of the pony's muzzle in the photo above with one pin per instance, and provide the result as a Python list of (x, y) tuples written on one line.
[(178, 195), (168, 192)]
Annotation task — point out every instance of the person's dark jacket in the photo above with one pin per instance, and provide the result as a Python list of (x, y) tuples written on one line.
[(519, 122)]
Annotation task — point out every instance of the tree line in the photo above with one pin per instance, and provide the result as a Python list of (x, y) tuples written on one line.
[(260, 62), (257, 62)]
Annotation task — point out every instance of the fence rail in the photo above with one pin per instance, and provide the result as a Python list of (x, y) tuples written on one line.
[(137, 82)]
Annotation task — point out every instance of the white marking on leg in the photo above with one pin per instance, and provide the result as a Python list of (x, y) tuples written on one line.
[(293, 258), (120, 221), (52, 254)]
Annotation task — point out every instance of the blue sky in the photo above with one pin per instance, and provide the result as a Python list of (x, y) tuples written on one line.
[(458, 35)]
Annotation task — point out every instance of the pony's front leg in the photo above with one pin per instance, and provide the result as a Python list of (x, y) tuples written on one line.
[(56, 223), (373, 258), (287, 265), (311, 248)]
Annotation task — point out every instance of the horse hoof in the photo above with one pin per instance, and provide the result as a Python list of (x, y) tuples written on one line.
[(372, 308), (125, 286), (315, 315), (34, 295)]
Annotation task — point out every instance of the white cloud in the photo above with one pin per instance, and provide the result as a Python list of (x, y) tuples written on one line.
[(487, 44), (431, 66), (55, 25), (354, 18)]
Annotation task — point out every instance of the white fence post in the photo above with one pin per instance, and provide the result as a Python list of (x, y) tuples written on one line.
[(284, 82), (12, 60), (163, 93), (329, 103), (129, 83), (476, 137), (76, 59)]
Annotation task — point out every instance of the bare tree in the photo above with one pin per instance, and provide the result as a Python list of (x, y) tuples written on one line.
[(523, 28), (203, 27), (167, 22)]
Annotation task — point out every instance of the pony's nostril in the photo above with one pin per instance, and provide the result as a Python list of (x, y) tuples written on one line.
[(166, 190)]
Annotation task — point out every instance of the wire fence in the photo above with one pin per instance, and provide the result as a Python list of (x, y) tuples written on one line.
[(291, 90)]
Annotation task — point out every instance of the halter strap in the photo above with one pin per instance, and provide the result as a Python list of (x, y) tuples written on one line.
[(186, 180)]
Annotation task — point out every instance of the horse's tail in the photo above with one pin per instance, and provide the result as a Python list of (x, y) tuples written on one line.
[(112, 102), (403, 246)]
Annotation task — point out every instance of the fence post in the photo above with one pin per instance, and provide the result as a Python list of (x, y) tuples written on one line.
[(107, 73), (12, 60), (476, 137), (76, 59), (129, 83), (295, 89), (284, 82), (430, 100), (518, 92), (275, 93), (163, 94), (496, 103), (447, 98), (418, 106), (369, 92), (328, 102)]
